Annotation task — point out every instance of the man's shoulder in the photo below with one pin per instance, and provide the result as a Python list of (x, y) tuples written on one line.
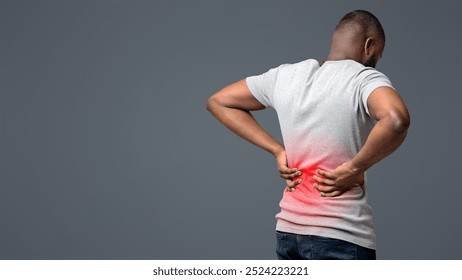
[(310, 62), (303, 66), (360, 68), (353, 68)]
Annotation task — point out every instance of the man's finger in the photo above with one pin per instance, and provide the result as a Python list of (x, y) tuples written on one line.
[(291, 176), (322, 181), (326, 174), (292, 184), (332, 194), (325, 189), (283, 169)]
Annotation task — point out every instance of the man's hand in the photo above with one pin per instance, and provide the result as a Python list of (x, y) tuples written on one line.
[(388, 109), (288, 174), (338, 181)]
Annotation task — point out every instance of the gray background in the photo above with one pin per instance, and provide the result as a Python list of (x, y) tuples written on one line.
[(107, 151)]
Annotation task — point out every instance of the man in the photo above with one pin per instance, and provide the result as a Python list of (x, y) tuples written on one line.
[(338, 118)]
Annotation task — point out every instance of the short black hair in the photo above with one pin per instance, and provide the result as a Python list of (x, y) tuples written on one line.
[(365, 20)]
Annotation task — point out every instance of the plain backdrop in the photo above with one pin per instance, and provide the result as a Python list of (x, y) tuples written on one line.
[(107, 150)]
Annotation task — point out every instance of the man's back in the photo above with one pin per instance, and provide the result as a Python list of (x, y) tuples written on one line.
[(337, 121), (324, 122)]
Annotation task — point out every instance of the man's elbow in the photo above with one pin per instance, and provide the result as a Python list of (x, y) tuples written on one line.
[(400, 122), (209, 104), (212, 104)]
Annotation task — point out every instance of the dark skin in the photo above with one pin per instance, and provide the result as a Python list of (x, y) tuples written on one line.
[(232, 106)]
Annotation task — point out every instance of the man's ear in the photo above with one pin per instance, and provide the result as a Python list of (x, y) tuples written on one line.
[(368, 46)]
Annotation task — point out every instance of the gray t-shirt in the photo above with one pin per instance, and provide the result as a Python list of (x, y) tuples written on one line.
[(324, 121)]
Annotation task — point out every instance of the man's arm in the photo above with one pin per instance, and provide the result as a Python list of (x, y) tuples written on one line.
[(386, 106), (231, 106)]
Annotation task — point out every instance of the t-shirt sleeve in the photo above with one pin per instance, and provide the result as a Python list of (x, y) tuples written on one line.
[(262, 86), (371, 80)]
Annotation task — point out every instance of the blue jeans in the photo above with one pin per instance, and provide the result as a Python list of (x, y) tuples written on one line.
[(310, 247)]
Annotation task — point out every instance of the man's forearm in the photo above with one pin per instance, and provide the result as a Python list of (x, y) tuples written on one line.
[(232, 106), (244, 124), (386, 136)]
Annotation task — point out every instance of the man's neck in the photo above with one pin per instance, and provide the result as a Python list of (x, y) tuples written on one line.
[(341, 56)]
